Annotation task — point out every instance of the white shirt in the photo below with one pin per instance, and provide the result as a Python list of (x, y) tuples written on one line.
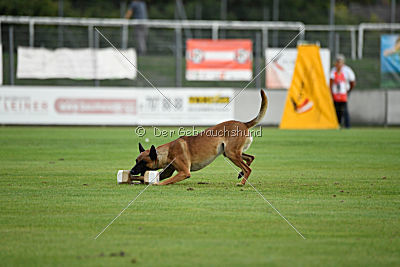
[(341, 83), (348, 75)]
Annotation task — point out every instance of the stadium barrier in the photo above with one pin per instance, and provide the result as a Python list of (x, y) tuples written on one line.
[(145, 106)]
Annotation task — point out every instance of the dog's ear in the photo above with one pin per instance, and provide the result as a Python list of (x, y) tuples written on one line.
[(153, 153), (141, 148)]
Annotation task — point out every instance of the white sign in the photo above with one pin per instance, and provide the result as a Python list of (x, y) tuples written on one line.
[(114, 106), (280, 70), (86, 63), (1, 64)]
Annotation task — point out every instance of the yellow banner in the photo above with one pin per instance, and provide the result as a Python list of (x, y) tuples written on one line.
[(309, 102)]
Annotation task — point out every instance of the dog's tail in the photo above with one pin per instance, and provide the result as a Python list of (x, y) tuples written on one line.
[(263, 109)]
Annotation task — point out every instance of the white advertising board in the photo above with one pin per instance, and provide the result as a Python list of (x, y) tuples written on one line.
[(114, 106), (85, 63), (1, 64), (279, 71)]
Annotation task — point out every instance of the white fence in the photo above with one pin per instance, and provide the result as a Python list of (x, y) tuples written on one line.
[(166, 42), (214, 26)]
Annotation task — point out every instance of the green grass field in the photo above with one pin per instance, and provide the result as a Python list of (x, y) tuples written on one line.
[(341, 189)]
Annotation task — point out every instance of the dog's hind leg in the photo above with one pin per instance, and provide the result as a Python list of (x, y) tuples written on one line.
[(236, 158), (248, 159)]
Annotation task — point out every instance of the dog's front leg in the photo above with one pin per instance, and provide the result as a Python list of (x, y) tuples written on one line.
[(181, 175), (167, 173), (181, 164)]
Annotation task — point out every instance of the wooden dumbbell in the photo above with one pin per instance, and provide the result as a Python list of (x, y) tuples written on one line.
[(125, 177)]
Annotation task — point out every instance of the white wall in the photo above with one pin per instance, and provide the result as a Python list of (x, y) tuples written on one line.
[(366, 107), (394, 107), (247, 105)]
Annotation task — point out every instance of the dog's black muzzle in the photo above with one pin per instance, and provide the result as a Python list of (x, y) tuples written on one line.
[(139, 168), (136, 172)]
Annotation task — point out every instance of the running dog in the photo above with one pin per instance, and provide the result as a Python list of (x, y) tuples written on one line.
[(193, 153)]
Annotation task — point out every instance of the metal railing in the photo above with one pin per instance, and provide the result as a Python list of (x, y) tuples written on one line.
[(346, 40), (372, 27), (215, 26)]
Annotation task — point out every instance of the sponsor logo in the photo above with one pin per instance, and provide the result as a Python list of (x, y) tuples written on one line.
[(242, 56), (209, 99), (95, 106), (305, 106), (22, 104), (196, 55), (218, 60)]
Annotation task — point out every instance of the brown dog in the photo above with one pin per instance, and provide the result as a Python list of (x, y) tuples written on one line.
[(192, 153)]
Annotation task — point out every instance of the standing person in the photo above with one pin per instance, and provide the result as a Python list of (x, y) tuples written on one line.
[(342, 81), (138, 10)]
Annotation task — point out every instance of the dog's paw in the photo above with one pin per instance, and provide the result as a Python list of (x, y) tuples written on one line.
[(240, 175), (239, 184)]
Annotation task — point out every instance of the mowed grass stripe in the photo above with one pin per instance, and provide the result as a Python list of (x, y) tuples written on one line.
[(341, 189)]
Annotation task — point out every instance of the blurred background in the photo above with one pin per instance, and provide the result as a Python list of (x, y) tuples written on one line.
[(351, 28)]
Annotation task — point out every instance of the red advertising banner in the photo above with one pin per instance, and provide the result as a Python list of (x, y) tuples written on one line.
[(219, 60)]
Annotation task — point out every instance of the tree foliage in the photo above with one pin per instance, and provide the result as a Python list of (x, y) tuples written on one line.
[(307, 11)]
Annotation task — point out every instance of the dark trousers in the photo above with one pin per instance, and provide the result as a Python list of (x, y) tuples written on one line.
[(140, 32), (342, 112)]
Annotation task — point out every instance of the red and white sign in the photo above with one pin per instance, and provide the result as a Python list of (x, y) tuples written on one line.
[(219, 60)]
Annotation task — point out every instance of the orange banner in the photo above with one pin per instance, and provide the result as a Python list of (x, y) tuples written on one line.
[(309, 102)]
